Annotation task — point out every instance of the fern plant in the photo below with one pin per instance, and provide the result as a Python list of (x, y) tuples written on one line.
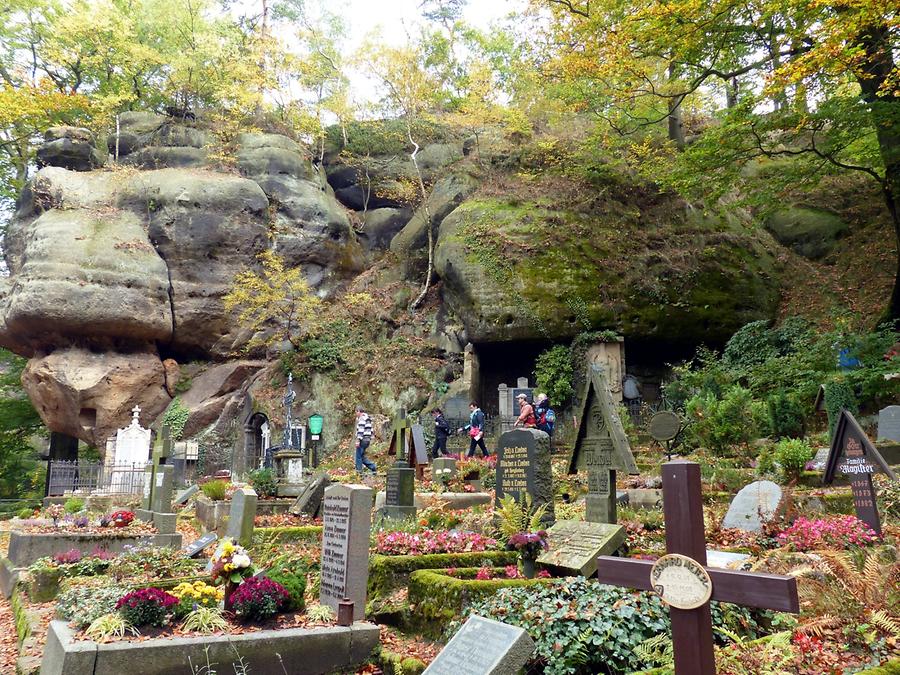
[(657, 651), (514, 517), (773, 657)]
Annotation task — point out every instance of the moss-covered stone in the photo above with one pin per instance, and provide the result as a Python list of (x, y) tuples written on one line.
[(812, 233), (521, 270)]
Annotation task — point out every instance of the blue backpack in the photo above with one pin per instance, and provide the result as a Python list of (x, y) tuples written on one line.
[(547, 421)]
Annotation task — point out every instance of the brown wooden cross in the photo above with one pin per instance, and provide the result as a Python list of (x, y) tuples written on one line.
[(692, 636)]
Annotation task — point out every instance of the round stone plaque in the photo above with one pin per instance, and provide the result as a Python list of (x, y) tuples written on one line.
[(664, 425), (681, 581)]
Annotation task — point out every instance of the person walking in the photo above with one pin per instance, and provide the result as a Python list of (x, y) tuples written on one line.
[(475, 427), (526, 413), (363, 439), (441, 433)]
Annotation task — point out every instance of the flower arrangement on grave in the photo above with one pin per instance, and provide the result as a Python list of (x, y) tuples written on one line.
[(121, 518), (258, 599), (196, 594), (55, 512), (146, 606), (431, 541), (529, 545), (836, 532), (231, 564)]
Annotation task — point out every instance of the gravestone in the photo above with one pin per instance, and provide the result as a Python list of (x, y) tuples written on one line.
[(310, 500), (183, 496), (242, 515), (753, 506), (159, 483), (523, 467), (483, 647), (132, 449), (575, 545), (443, 469), (420, 449), (853, 454), (196, 548), (346, 521), (725, 559), (601, 447), (821, 459), (399, 489), (889, 423)]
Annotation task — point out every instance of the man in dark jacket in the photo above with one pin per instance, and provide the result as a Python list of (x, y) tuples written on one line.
[(441, 432)]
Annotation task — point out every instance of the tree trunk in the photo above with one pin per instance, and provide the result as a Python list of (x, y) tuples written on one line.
[(884, 109), (676, 120), (731, 92)]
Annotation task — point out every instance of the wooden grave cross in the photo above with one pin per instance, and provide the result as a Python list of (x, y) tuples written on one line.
[(400, 430), (683, 578)]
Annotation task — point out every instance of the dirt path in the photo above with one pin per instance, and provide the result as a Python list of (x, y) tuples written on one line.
[(9, 649)]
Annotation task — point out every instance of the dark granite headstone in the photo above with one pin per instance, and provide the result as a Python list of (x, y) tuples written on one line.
[(399, 500), (346, 522), (523, 467), (310, 500), (196, 548), (420, 449), (853, 455), (601, 448), (483, 647)]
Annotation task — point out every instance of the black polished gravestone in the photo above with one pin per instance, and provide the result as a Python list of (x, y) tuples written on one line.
[(195, 548), (601, 447), (523, 467), (483, 647), (854, 455), (399, 502)]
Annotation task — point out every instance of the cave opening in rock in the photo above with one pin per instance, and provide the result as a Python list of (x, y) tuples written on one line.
[(503, 363)]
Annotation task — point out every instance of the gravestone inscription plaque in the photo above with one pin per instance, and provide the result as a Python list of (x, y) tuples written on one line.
[(523, 467), (483, 647), (575, 545), (196, 548), (346, 521)]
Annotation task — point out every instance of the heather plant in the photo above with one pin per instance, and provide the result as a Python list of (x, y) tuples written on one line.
[(146, 606), (832, 532), (258, 599)]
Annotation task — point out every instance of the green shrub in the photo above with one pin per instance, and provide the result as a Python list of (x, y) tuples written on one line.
[(553, 373), (582, 626), (750, 345), (175, 417), (215, 489), (718, 424), (839, 396), (786, 415), (25, 513), (792, 454), (290, 571), (265, 535), (73, 505), (264, 482), (83, 604)]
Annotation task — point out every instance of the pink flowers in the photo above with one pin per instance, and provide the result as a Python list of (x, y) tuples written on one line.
[(529, 544), (431, 541), (832, 532)]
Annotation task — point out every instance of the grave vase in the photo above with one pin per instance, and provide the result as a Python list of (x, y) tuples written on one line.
[(528, 561)]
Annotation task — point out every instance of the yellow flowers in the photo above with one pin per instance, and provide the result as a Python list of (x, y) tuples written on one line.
[(199, 592)]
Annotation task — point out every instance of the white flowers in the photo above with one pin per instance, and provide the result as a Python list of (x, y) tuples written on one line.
[(241, 560)]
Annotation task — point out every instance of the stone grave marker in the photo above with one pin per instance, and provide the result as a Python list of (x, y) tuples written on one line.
[(854, 455), (196, 548), (310, 500), (575, 545), (159, 484), (601, 447), (419, 450), (242, 515), (483, 647), (684, 580), (399, 488), (889, 423), (753, 506), (346, 521), (821, 459), (443, 469), (725, 559), (183, 496), (523, 467), (132, 449)]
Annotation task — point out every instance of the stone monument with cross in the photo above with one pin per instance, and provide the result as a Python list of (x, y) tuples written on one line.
[(683, 580), (400, 484), (159, 480), (601, 447), (288, 459), (132, 449)]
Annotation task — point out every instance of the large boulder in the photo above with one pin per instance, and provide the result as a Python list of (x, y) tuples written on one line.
[(72, 148), (150, 141), (813, 233), (381, 225), (516, 271), (89, 395)]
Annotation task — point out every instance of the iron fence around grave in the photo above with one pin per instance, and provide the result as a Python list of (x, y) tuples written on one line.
[(74, 476)]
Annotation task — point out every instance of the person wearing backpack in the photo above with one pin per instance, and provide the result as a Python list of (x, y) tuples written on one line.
[(475, 427), (441, 433), (526, 413), (546, 418)]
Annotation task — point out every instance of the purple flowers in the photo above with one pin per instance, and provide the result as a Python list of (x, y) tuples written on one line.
[(831, 532), (69, 557), (146, 606), (258, 598), (431, 541)]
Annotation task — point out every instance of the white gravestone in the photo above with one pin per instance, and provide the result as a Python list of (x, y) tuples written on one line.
[(889, 423), (132, 450), (753, 506)]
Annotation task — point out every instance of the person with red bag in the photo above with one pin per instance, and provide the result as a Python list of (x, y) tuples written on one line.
[(475, 427)]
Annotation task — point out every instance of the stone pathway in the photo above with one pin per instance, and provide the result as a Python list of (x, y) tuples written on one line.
[(9, 649)]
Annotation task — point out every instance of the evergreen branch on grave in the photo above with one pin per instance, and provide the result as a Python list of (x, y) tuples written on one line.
[(264, 535)]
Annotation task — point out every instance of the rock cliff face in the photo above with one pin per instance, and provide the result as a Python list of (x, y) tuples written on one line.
[(118, 268)]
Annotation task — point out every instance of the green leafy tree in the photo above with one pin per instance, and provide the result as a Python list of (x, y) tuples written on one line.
[(553, 374), (19, 425)]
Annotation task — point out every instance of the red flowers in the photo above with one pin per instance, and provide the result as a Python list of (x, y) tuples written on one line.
[(121, 518), (431, 541), (258, 598), (146, 606)]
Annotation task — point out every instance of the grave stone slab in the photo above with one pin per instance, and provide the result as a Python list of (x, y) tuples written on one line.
[(753, 506), (483, 647), (821, 459), (241, 516), (889, 423), (854, 455), (196, 548), (725, 559), (346, 522), (420, 449), (132, 448), (601, 447), (183, 496), (523, 467), (399, 490), (310, 500), (575, 545)]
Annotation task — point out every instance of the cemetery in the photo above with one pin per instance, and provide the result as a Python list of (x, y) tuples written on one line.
[(527, 337)]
